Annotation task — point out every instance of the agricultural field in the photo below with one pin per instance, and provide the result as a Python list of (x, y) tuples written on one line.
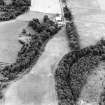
[(9, 45), (90, 23)]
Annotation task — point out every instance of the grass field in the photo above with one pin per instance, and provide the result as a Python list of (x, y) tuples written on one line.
[(90, 25), (9, 45), (89, 19), (9, 32)]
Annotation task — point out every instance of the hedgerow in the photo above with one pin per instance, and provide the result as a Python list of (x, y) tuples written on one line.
[(30, 53), (71, 31)]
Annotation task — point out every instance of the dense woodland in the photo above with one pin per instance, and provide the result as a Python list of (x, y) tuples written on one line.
[(14, 9), (73, 70)]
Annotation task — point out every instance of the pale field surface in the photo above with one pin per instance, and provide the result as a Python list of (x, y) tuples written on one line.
[(9, 45), (8, 1), (37, 87), (46, 6)]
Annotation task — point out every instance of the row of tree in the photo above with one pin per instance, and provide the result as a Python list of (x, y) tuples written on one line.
[(71, 31), (29, 53)]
